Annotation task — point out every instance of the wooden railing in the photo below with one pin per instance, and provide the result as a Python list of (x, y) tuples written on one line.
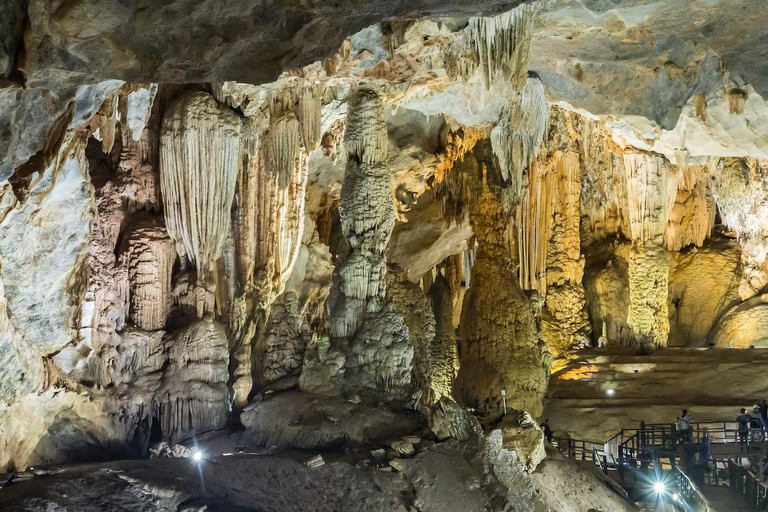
[(648, 467), (748, 485)]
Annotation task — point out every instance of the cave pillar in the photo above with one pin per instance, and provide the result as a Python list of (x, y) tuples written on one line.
[(648, 314), (367, 333), (444, 354), (500, 347)]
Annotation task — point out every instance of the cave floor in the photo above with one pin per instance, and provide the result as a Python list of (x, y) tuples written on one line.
[(232, 483), (594, 393)]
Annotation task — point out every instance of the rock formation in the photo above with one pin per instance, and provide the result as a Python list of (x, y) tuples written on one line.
[(339, 225)]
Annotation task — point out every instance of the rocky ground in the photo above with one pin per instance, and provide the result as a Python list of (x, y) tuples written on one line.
[(447, 477)]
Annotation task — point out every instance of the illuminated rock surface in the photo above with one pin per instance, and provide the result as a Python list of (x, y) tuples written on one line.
[(340, 227)]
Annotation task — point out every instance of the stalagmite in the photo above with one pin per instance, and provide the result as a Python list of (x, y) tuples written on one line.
[(534, 228), (648, 288), (285, 343), (498, 45), (372, 336), (518, 135), (149, 255), (411, 302), (192, 397), (445, 357), (500, 348), (199, 161)]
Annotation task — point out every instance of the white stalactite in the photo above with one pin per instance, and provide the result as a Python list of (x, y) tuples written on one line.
[(498, 45), (199, 162), (517, 137)]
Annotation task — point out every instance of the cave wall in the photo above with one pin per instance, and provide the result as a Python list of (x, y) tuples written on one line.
[(169, 251)]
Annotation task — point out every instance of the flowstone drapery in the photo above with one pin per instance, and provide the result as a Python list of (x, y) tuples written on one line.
[(199, 162)]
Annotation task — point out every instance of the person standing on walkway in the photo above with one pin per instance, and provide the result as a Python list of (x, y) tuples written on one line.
[(743, 421), (698, 470), (686, 422), (547, 431), (756, 425)]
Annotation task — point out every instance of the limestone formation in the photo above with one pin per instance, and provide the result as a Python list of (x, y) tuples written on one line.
[(372, 334), (149, 255), (412, 303), (199, 161), (330, 237), (444, 356), (285, 343), (500, 347), (498, 46), (192, 396), (517, 137)]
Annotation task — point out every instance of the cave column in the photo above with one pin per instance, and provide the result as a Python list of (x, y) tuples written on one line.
[(648, 314), (367, 333)]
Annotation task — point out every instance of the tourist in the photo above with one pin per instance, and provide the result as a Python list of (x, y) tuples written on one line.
[(743, 421), (682, 429), (547, 431), (756, 424), (703, 447), (764, 414), (686, 418), (698, 470)]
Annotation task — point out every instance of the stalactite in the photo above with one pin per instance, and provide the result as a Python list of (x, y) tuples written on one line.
[(498, 45), (284, 145), (691, 208), (646, 195), (268, 228), (199, 161), (534, 222), (518, 135), (740, 187), (308, 113)]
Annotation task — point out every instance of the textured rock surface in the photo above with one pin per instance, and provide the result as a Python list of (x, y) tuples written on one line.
[(433, 211)]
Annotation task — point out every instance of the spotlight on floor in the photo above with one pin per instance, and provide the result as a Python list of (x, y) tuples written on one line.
[(610, 392), (197, 456), (660, 487)]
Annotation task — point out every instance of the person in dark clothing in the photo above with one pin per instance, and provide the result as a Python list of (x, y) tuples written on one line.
[(547, 430), (698, 470), (743, 421)]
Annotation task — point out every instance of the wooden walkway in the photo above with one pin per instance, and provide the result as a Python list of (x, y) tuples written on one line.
[(723, 499)]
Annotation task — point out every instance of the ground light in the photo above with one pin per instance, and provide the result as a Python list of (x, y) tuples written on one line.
[(610, 392), (660, 487), (198, 455)]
